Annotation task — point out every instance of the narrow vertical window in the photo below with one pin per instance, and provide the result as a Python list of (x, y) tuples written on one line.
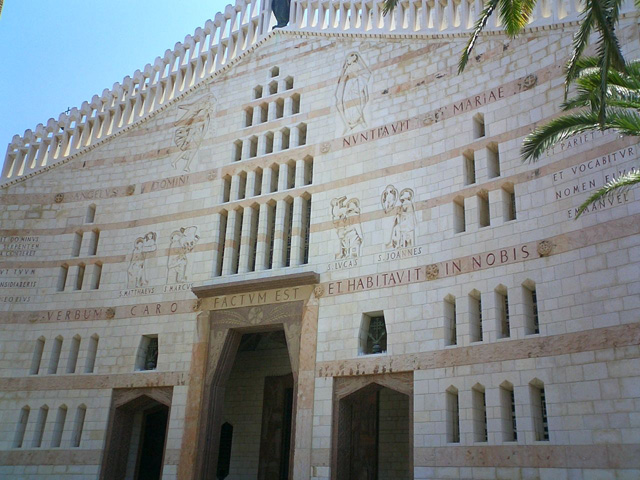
[(242, 185), (453, 415), (271, 235), (95, 238), (469, 167), (92, 351), (257, 190), (302, 134), (478, 126), (484, 218), (237, 151), (373, 334), (493, 161), (288, 222), (306, 233), (288, 83), (73, 354), (80, 277), (90, 216), (253, 147), (55, 356), (226, 189), (285, 139), (308, 170), (78, 426), (479, 413), (295, 107), (475, 316), (502, 311), (76, 244), (62, 277), (58, 427), (257, 92), (41, 421), (37, 357), (508, 413), (280, 108), (450, 321), (509, 201), (253, 238), (459, 221), (222, 234), (248, 116), (530, 299), (268, 143), (236, 240), (539, 411), (291, 175), (273, 87), (264, 112), (97, 275), (21, 427)]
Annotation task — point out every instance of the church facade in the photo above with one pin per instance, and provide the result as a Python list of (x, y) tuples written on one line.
[(315, 253)]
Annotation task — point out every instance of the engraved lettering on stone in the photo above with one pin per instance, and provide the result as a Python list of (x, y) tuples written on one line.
[(142, 247), (181, 242), (14, 246), (352, 94), (400, 204), (345, 214), (192, 127)]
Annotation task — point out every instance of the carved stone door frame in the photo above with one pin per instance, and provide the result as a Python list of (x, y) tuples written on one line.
[(344, 387)]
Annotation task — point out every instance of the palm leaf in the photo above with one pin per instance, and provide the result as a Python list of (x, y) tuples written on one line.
[(477, 28), (388, 5), (618, 185)]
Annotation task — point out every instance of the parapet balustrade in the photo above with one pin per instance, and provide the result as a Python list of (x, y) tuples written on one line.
[(226, 37)]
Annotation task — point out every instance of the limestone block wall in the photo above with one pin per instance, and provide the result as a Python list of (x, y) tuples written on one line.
[(404, 182)]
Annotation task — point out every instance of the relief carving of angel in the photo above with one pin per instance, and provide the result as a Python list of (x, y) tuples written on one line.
[(404, 222), (352, 94), (192, 127)]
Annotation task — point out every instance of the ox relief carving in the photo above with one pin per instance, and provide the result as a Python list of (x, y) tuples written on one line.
[(402, 237), (181, 242), (191, 129), (352, 94), (142, 248), (345, 214)]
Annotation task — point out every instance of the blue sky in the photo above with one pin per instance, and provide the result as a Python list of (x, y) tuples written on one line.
[(57, 54)]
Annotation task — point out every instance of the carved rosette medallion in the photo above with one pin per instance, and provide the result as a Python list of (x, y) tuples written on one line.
[(197, 305), (255, 315), (110, 313), (544, 248), (318, 291), (131, 189), (59, 197), (529, 81), (325, 147), (211, 176), (432, 271)]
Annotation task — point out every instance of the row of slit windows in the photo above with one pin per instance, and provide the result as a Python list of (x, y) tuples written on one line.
[(262, 182), (274, 110), (234, 232), (72, 355), (58, 427), (79, 282), (509, 421), (273, 86), (76, 245), (503, 315), (509, 213), (270, 142)]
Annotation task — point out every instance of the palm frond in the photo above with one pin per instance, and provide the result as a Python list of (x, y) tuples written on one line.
[(558, 129), (618, 185), (515, 14), (388, 5), (477, 28)]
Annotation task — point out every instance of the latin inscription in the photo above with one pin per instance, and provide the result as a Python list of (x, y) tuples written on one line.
[(398, 254), (15, 278), (476, 101), (375, 133), (15, 299), (256, 298), (75, 314), (19, 246), (94, 194), (140, 292), (166, 183)]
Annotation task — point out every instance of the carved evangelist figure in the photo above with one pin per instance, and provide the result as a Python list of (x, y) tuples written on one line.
[(136, 272), (352, 94), (404, 222), (192, 127), (349, 231), (181, 242)]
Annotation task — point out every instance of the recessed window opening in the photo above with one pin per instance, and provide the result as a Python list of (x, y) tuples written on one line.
[(280, 108), (237, 237), (78, 426), (91, 214), (253, 147), (508, 413), (258, 185), (242, 185), (248, 116), (469, 170), (295, 104), (80, 277), (72, 360), (95, 238), (273, 88), (479, 413), (459, 220), (484, 219), (475, 316), (268, 143), (493, 161), (147, 357), (285, 139), (539, 411), (530, 298), (452, 415), (62, 277), (21, 428), (55, 356), (58, 427), (502, 309), (97, 276), (302, 134), (226, 188), (222, 233), (450, 321), (373, 334), (274, 72), (288, 231), (509, 199), (237, 151), (37, 356), (41, 422), (76, 244), (92, 351), (306, 222), (271, 235), (264, 112), (478, 126), (257, 92), (308, 170), (288, 83)]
